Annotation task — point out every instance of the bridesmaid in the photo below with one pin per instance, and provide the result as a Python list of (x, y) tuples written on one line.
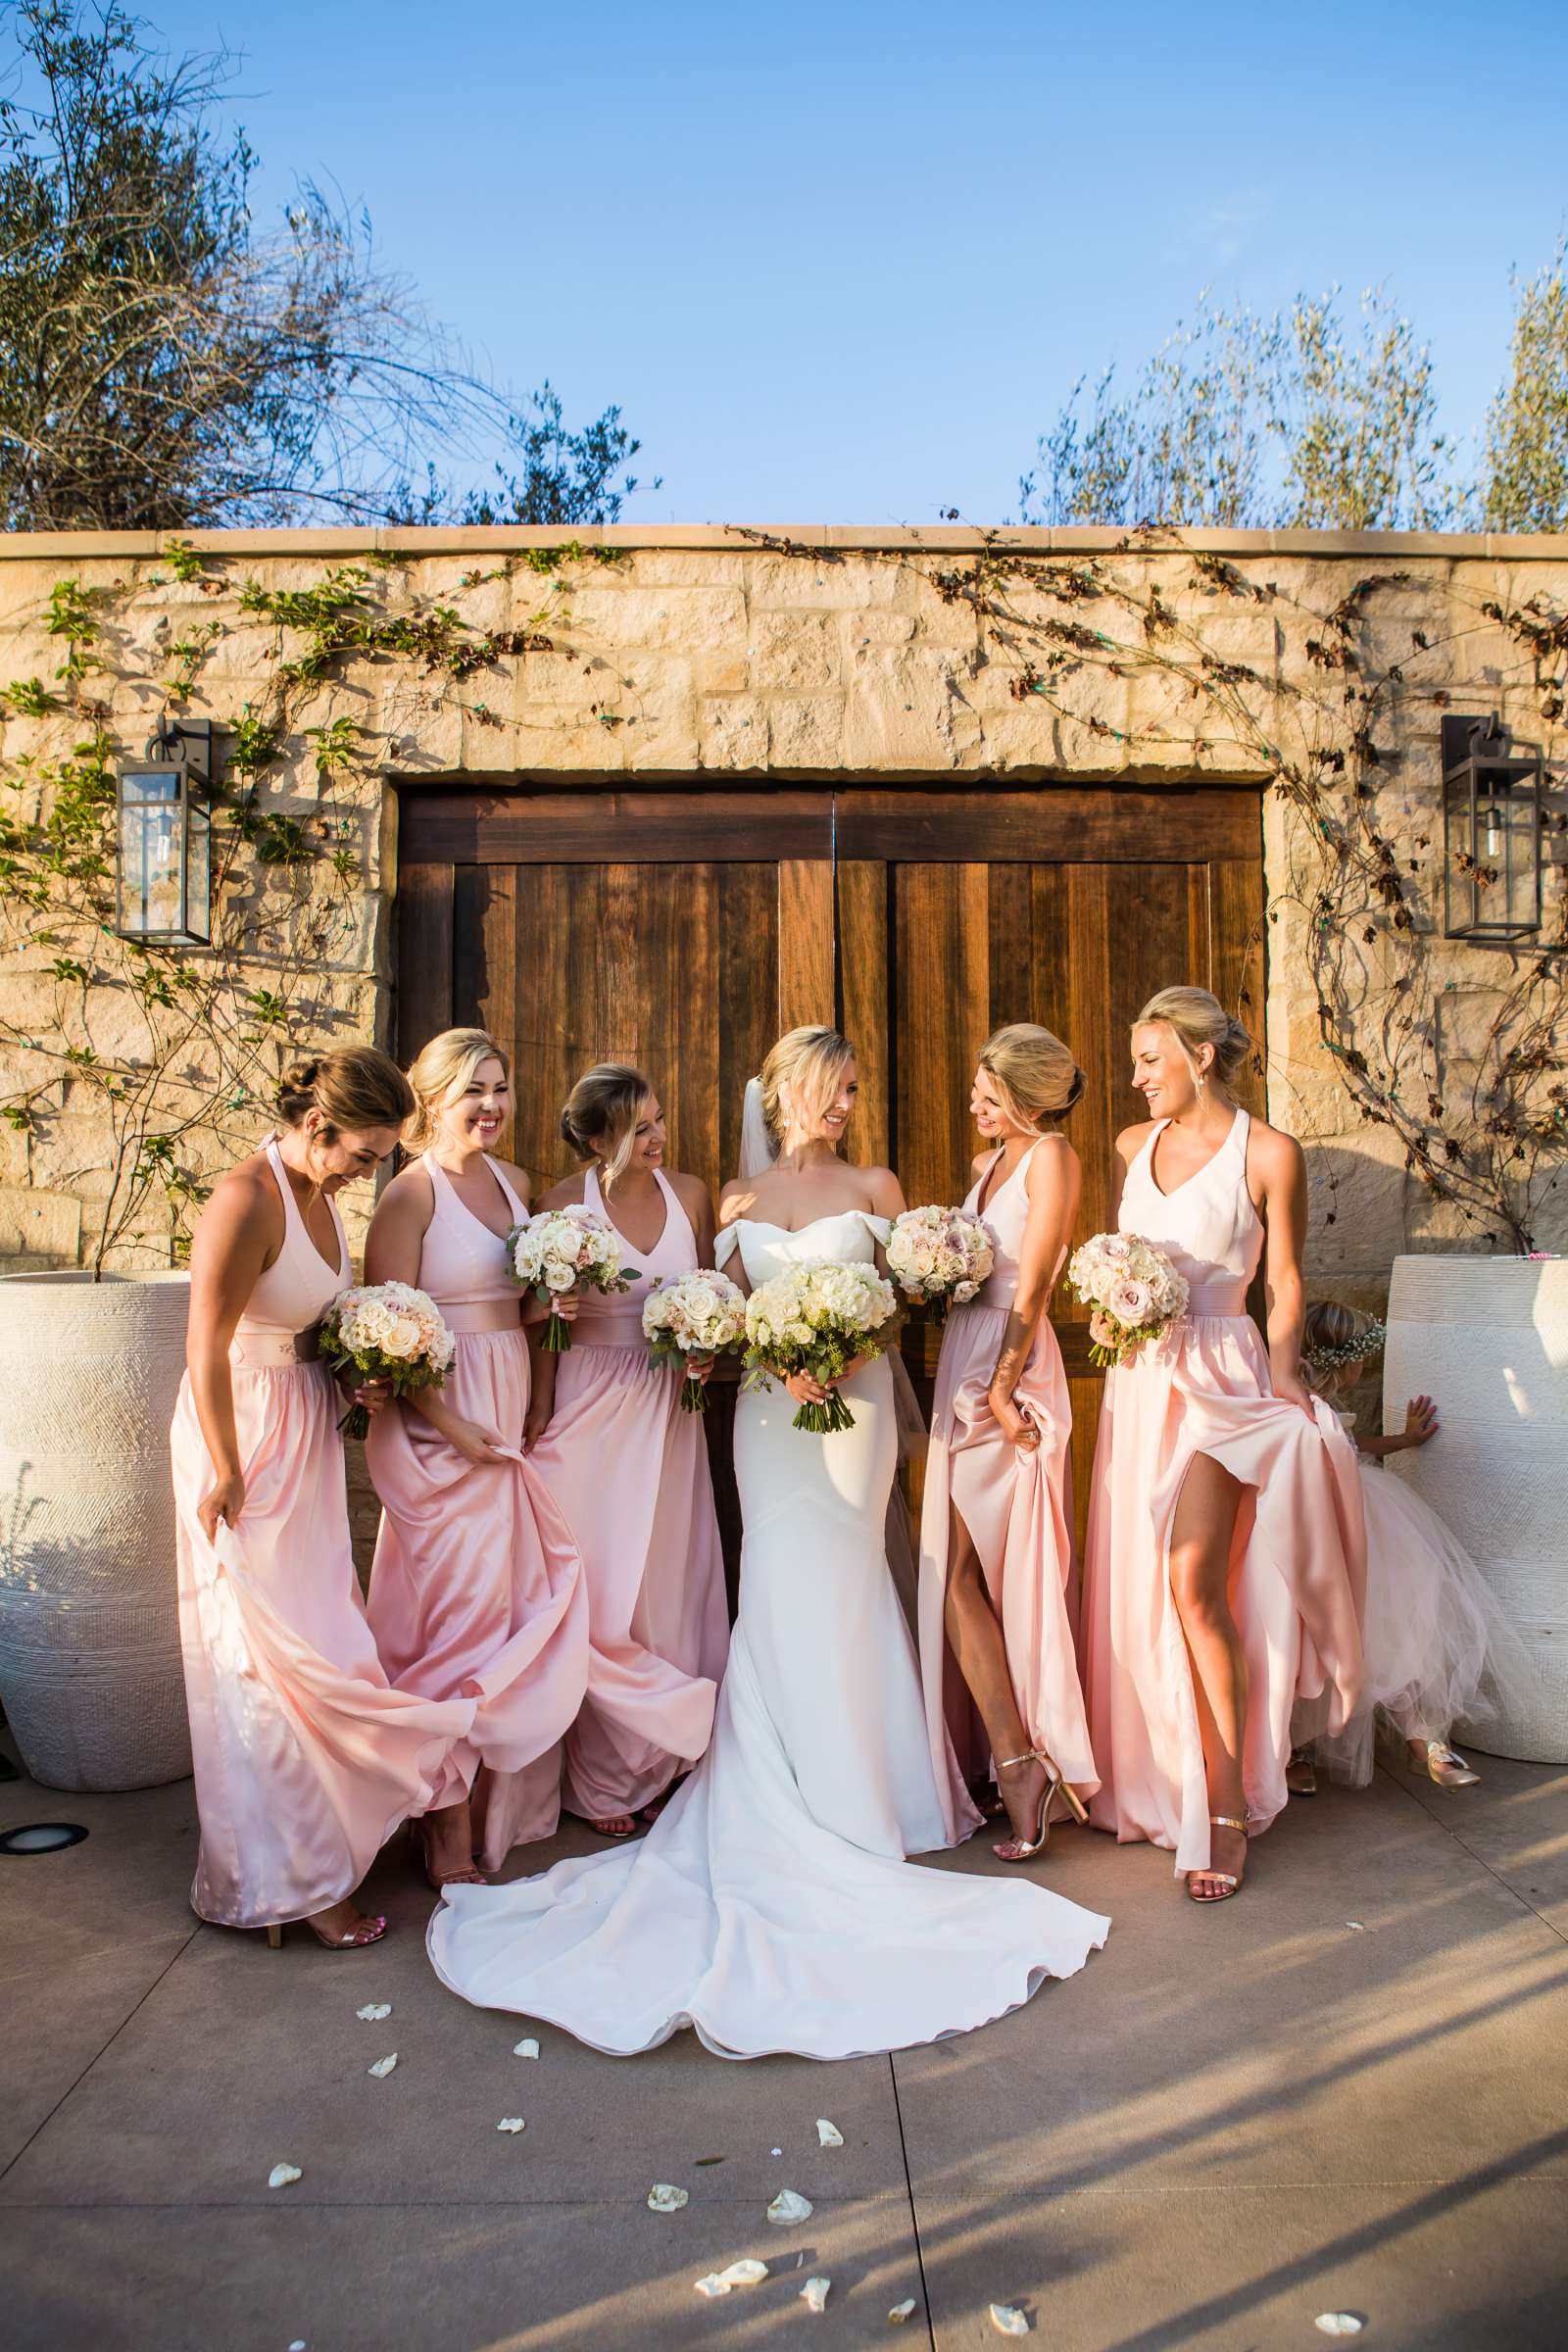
[(476, 1590), (1226, 1547), (995, 1551), (650, 1539), (306, 1757)]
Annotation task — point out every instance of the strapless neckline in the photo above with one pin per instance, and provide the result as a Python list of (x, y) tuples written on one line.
[(793, 1233)]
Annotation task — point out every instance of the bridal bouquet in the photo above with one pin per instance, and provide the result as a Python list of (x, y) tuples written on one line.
[(939, 1257), (693, 1314), (386, 1331), (1133, 1288), (565, 1250), (816, 1319)]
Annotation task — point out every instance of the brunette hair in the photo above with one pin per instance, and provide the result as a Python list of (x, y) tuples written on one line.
[(353, 1086), (1200, 1019), (446, 1065), (809, 1063), (1034, 1074), (603, 1109)]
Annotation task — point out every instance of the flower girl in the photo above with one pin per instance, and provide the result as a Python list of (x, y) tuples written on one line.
[(1432, 1629)]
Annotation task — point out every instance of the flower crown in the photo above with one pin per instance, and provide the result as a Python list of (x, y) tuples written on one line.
[(1348, 1352)]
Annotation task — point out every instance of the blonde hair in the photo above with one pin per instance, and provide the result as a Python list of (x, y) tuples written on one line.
[(1334, 1339), (1199, 1018), (441, 1069), (1035, 1076), (808, 1063), (604, 1108), (354, 1087)]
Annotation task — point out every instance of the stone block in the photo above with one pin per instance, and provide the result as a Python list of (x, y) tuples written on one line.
[(42, 1227), (796, 652), (828, 580), (727, 672), (732, 732), (804, 730), (683, 619)]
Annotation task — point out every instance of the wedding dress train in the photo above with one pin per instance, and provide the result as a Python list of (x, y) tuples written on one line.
[(770, 1907)]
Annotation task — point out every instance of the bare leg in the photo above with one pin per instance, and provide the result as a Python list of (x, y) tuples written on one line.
[(448, 1836), (976, 1642), (1199, 1578)]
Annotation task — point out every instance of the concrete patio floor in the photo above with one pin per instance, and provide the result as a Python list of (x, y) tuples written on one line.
[(1346, 2092)]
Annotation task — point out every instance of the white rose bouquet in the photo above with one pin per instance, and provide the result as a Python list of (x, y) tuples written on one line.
[(939, 1257), (693, 1314), (386, 1331), (1133, 1288), (816, 1319), (564, 1249)]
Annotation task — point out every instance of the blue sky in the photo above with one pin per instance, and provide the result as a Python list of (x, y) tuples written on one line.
[(843, 263)]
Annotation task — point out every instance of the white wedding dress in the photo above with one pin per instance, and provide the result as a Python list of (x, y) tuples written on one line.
[(769, 1907)]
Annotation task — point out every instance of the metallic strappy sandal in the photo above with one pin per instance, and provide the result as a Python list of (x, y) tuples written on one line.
[(1448, 1768), (1020, 1849), (371, 1930), (1230, 1880)]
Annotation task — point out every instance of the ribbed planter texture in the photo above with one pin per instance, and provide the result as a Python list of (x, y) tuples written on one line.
[(89, 1619), (1488, 1337)]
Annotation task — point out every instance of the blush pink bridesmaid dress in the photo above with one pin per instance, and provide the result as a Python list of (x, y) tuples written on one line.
[(307, 1759), (1299, 1558), (477, 1587), (1014, 1506), (629, 1468)]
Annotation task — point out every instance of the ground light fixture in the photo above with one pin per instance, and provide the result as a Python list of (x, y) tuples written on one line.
[(41, 1838), (1491, 833), (164, 812)]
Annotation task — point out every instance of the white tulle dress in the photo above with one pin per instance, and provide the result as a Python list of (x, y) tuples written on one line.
[(770, 1907)]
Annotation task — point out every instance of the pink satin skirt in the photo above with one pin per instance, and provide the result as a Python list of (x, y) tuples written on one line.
[(307, 1759), (477, 1592), (1298, 1576), (1015, 1507), (629, 1469)]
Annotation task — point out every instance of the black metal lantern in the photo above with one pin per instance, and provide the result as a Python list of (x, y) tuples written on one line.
[(164, 804), (1490, 833)]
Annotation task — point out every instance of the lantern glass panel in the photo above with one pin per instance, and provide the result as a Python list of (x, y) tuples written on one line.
[(151, 852), (197, 920)]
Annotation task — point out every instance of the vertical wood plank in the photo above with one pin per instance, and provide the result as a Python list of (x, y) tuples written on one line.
[(483, 958), (695, 1131), (941, 1000), (866, 1018), (1240, 975), (805, 942), (425, 955), (749, 1018)]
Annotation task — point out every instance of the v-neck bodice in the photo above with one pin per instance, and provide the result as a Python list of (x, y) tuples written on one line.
[(1207, 1226), (1005, 1218), (616, 1320), (463, 1263), (278, 1325)]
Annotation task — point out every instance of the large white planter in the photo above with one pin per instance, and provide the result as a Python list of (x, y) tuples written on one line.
[(89, 1619), (1488, 1337)]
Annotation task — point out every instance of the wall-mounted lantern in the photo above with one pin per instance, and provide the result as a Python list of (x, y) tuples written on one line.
[(162, 893), (1490, 833)]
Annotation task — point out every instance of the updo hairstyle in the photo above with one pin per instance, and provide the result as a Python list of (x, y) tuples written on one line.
[(354, 1088), (600, 1118), (1035, 1076), (444, 1068), (1200, 1019), (806, 1063)]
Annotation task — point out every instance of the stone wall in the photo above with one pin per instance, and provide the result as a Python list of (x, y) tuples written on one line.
[(723, 654)]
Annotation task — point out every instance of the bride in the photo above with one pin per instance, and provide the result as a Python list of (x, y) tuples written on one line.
[(770, 1907)]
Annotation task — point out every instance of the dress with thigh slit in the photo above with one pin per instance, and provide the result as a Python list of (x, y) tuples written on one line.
[(1298, 1566)]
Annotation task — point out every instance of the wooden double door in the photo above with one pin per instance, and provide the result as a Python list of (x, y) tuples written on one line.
[(685, 930)]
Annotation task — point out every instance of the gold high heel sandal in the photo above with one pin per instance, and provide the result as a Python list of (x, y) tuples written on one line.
[(440, 1879), (1021, 1850), (1230, 1880), (371, 1930)]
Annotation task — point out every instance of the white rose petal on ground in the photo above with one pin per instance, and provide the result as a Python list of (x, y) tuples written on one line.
[(383, 2066), (666, 2198), (788, 2208), (902, 2312), (374, 2012), (814, 2294), (1338, 2323), (828, 2136), (281, 2175), (745, 2272), (1007, 2319), (527, 2048), (509, 2123)]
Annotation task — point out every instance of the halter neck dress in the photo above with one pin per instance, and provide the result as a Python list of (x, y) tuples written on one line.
[(307, 1759), (1299, 1561), (1015, 1506), (629, 1469), (477, 1588)]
